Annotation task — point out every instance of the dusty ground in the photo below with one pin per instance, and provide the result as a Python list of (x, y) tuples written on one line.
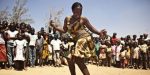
[(94, 70)]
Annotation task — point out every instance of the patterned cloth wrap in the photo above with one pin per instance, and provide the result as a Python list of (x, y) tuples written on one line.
[(84, 44)]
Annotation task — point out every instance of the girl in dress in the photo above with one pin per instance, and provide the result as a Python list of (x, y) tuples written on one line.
[(45, 51), (19, 58)]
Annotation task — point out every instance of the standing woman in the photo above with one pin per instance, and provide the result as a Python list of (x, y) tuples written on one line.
[(76, 26), (3, 54)]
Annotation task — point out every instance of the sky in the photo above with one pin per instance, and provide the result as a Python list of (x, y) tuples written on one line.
[(125, 17)]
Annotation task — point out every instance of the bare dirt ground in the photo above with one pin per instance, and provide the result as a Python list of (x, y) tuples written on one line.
[(94, 70)]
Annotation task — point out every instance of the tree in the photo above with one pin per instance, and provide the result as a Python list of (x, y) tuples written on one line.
[(19, 12), (4, 14), (56, 15)]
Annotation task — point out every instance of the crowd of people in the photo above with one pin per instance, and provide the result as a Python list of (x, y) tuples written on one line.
[(21, 47), (124, 52)]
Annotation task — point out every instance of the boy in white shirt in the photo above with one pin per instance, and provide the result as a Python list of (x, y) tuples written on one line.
[(143, 48), (65, 50), (136, 55), (56, 43), (32, 51), (118, 49)]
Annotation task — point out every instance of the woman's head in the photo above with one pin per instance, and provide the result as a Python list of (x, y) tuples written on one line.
[(77, 9)]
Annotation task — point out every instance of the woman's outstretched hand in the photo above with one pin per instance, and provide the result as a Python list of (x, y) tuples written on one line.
[(52, 23)]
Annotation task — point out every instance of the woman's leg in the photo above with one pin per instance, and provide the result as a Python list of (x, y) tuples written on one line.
[(71, 65), (80, 62)]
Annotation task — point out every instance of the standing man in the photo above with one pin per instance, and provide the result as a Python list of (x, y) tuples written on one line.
[(11, 37), (32, 50)]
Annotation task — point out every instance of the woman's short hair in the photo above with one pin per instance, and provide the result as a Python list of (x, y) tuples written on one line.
[(76, 4)]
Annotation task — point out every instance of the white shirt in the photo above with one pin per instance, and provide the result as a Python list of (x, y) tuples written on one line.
[(113, 49), (147, 39), (144, 48), (136, 52), (33, 39), (65, 45), (118, 49), (20, 44), (123, 53), (12, 34), (122, 42), (56, 44)]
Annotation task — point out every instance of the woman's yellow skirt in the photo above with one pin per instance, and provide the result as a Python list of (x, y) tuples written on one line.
[(84, 47)]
